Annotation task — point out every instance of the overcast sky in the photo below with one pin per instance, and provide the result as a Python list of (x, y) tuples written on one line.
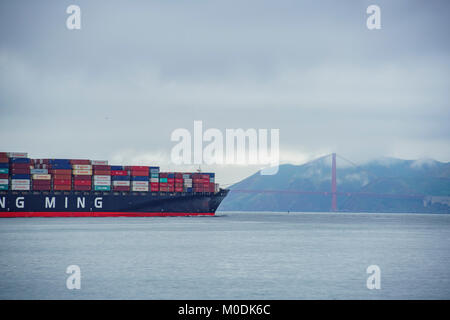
[(137, 70)]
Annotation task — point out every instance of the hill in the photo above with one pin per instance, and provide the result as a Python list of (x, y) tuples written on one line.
[(384, 185)]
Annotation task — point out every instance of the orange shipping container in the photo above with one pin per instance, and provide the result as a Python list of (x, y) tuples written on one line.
[(62, 176), (64, 182), (102, 172), (62, 187), (61, 171), (82, 182)]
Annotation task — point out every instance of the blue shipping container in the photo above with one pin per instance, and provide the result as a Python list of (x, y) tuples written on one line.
[(59, 161), (120, 178), (139, 178), (4, 165), (19, 160), (20, 176), (64, 166), (116, 168)]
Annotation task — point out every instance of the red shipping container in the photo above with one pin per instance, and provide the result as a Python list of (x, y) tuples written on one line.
[(4, 176), (3, 154), (139, 168), (101, 167), (41, 187), (61, 171), (154, 185), (102, 172), (20, 165), (64, 182), (82, 188), (80, 161), (119, 172), (4, 160), (163, 174), (82, 182), (42, 182), (62, 187), (62, 176), (121, 188), (82, 178), (139, 173), (20, 171)]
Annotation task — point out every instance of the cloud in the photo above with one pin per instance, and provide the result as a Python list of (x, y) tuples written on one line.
[(134, 73)]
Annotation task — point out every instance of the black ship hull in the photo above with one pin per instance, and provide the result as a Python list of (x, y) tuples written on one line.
[(108, 204)]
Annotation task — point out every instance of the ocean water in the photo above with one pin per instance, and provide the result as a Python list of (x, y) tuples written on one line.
[(230, 256)]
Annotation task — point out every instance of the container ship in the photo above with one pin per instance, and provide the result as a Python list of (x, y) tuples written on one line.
[(93, 188)]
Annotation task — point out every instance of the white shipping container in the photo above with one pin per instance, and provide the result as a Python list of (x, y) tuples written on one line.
[(23, 187), (187, 176), (42, 176), (154, 179), (140, 183), (121, 183), (17, 154), (4, 181), (102, 183), (39, 171), (82, 172), (102, 178), (145, 189), (82, 167), (188, 180), (99, 162), (20, 182)]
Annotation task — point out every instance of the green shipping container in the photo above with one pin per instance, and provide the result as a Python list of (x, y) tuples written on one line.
[(102, 188), (163, 180), (4, 170), (3, 187)]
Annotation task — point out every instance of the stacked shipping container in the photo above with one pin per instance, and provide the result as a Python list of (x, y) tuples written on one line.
[(102, 175), (4, 171), (19, 168), (140, 178), (61, 171), (82, 175), (18, 172), (120, 178), (154, 179)]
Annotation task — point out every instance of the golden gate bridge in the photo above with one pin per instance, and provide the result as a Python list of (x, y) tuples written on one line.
[(333, 192)]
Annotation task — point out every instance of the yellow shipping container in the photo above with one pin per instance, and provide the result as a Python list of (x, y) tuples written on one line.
[(82, 172), (82, 167), (42, 176)]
